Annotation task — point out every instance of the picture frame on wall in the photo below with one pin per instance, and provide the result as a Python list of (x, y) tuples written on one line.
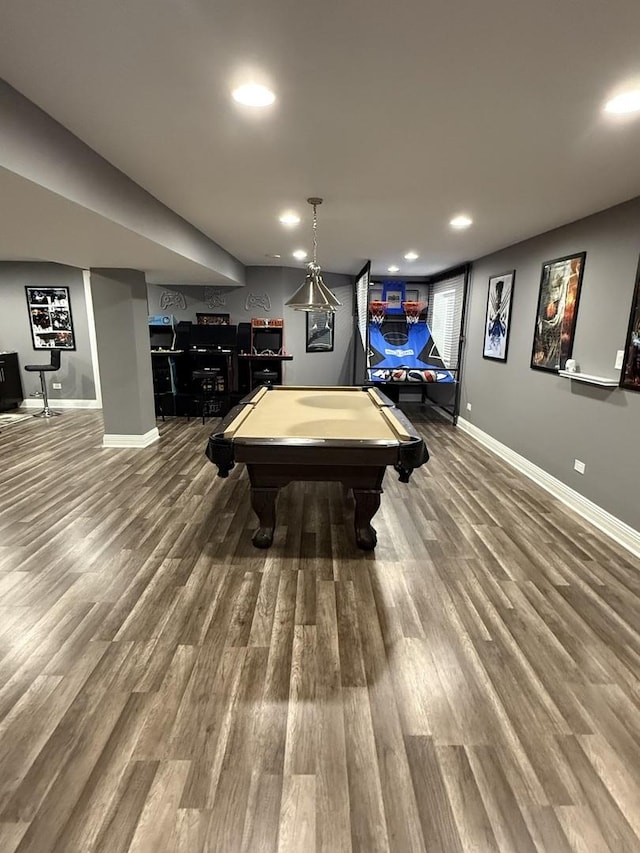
[(630, 375), (498, 316), (50, 318), (557, 312), (212, 319), (320, 327)]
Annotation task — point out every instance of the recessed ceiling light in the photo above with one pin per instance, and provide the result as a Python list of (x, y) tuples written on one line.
[(268, 255), (290, 219), (393, 269), (460, 222), (300, 254), (411, 256), (253, 95), (624, 103)]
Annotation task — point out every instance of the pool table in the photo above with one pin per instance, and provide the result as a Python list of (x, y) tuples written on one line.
[(343, 434)]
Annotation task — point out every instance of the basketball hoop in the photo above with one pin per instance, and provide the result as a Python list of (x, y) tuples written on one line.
[(377, 312), (412, 311)]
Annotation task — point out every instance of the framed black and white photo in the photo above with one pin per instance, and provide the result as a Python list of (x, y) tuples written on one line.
[(319, 331), (50, 317), (498, 316), (557, 312)]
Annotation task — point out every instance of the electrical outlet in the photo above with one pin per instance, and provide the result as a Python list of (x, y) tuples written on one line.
[(468, 407), (579, 466), (619, 359), (56, 386)]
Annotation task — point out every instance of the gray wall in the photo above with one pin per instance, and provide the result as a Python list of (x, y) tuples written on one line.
[(547, 419), (76, 369), (279, 283)]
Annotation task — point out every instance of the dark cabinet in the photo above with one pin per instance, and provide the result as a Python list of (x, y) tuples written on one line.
[(10, 382), (256, 370)]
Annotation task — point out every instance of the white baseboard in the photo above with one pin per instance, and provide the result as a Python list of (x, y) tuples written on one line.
[(145, 440), (37, 403), (622, 533)]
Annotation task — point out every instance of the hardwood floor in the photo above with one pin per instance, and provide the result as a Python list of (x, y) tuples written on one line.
[(472, 685)]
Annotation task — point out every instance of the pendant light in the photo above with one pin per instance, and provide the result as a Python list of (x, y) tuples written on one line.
[(313, 294)]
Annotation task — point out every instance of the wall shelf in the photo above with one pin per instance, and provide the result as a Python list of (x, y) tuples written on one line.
[(604, 381)]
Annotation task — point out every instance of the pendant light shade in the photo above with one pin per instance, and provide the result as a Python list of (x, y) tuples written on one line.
[(313, 294)]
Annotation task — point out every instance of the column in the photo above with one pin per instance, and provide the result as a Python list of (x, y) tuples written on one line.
[(122, 334)]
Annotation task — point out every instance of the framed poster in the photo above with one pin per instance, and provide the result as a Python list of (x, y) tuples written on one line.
[(630, 376), (320, 326), (498, 316), (557, 312), (50, 317)]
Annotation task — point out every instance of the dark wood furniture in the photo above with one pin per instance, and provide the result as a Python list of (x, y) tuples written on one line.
[(348, 435), (255, 370), (11, 395)]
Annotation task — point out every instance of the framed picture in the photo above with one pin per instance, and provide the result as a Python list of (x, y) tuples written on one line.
[(320, 331), (412, 295), (50, 317), (393, 293), (630, 376), (212, 319), (498, 316), (557, 312)]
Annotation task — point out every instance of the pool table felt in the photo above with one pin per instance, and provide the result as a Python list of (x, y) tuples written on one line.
[(317, 413)]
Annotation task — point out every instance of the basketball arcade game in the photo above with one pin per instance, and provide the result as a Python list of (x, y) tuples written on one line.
[(402, 354), (401, 347)]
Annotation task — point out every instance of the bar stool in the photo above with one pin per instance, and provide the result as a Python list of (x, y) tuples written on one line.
[(42, 369)]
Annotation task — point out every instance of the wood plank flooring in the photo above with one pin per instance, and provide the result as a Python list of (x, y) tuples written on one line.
[(472, 685)]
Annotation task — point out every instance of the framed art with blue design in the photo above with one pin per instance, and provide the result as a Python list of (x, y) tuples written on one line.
[(498, 316), (393, 292)]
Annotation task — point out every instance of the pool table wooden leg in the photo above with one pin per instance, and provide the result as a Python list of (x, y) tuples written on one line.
[(367, 504), (263, 502)]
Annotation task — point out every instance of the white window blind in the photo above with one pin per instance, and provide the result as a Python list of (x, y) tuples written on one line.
[(446, 318), (362, 297)]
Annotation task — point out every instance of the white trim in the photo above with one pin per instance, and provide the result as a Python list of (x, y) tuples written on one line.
[(93, 342), (618, 530), (37, 403), (131, 440)]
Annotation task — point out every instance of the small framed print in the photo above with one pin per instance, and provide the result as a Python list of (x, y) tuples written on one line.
[(50, 318), (498, 316), (320, 325)]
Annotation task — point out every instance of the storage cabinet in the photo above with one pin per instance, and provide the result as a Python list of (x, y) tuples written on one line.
[(11, 395)]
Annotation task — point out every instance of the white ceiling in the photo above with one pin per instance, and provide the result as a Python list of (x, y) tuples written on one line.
[(400, 115)]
